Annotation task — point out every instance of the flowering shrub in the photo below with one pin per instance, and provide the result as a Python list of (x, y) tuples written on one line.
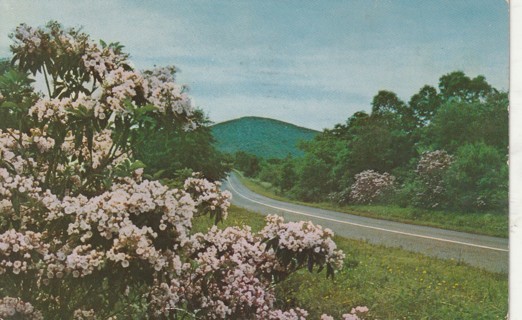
[(83, 235), (16, 308), (371, 186), (353, 315), (429, 189), (340, 197)]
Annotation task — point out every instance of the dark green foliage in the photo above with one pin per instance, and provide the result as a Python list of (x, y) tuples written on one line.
[(287, 176), (270, 171), (424, 104), (458, 123), (478, 179), (315, 181), (262, 137), (456, 85), (247, 163), (169, 149), (386, 102), (4, 65), (379, 146), (16, 96)]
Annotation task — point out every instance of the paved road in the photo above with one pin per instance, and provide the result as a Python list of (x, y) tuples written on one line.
[(485, 252)]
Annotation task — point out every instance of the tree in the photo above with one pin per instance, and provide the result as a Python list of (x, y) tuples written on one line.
[(425, 104), (168, 148), (458, 123), (248, 163), (458, 86), (314, 182), (478, 178), (378, 145), (386, 102), (287, 174)]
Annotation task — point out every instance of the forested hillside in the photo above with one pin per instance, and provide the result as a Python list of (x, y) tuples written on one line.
[(262, 137)]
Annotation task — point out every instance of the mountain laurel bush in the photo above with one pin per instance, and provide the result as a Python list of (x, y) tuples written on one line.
[(83, 235)]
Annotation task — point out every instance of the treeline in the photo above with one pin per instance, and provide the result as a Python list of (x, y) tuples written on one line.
[(446, 148)]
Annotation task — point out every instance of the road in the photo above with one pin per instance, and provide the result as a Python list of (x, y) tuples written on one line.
[(489, 253)]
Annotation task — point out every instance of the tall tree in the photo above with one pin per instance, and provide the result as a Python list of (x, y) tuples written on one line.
[(169, 148), (424, 104), (459, 86)]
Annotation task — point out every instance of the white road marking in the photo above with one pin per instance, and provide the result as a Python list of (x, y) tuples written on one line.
[(365, 226)]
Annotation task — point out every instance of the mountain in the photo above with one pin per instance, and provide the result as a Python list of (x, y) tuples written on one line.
[(263, 137)]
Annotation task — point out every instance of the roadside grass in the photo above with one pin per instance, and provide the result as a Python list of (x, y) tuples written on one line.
[(490, 224), (392, 283)]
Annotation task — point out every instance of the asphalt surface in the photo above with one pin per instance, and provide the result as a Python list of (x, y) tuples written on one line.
[(489, 253)]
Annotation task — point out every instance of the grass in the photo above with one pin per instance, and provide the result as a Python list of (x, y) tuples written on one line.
[(393, 283), (478, 223)]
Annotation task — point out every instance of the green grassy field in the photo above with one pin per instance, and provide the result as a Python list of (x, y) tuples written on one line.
[(393, 283), (479, 223)]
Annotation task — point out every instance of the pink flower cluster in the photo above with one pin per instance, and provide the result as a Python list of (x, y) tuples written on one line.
[(430, 173), (120, 86), (43, 142), (15, 308), (292, 314), (26, 38), (164, 93), (109, 76), (304, 236), (370, 185), (19, 251), (433, 162), (208, 196), (100, 61)]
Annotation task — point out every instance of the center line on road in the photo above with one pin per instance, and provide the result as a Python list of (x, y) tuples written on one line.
[(365, 226)]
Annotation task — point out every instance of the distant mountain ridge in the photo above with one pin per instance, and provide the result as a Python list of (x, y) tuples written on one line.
[(264, 137)]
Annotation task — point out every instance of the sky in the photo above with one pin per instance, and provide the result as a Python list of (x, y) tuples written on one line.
[(311, 63)]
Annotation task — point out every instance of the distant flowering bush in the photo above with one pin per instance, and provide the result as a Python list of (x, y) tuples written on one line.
[(431, 168), (83, 235), (340, 197), (371, 186)]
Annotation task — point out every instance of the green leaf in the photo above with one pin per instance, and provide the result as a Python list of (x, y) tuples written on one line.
[(9, 105), (158, 174), (137, 165), (15, 200)]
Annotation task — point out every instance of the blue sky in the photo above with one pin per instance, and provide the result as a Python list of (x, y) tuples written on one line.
[(312, 63)]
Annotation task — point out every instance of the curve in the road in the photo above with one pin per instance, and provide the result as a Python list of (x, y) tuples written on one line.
[(369, 227), (486, 252)]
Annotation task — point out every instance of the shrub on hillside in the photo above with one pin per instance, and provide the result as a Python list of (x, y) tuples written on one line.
[(371, 187), (429, 185)]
